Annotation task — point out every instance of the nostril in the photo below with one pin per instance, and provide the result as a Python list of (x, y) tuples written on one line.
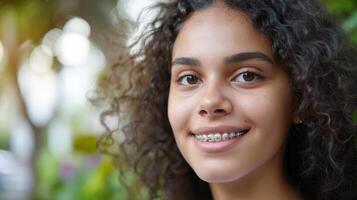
[(219, 111), (215, 112), (202, 112)]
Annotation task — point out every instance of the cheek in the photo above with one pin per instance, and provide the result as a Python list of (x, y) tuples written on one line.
[(272, 107), (179, 112)]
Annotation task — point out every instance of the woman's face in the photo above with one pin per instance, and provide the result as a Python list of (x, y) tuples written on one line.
[(230, 103)]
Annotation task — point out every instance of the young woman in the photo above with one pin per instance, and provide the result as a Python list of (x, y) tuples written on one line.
[(244, 99)]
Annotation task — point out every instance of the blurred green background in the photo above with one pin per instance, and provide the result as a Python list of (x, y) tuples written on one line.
[(51, 53)]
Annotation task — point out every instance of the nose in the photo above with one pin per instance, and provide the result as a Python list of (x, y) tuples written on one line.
[(214, 102)]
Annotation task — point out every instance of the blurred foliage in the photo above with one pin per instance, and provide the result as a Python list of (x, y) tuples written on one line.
[(85, 144), (27, 17), (346, 13), (4, 140), (341, 7), (84, 180)]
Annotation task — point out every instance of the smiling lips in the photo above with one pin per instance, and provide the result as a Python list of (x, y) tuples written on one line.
[(218, 133), (217, 137)]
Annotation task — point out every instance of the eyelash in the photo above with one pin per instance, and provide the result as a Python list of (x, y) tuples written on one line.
[(257, 77), (181, 79)]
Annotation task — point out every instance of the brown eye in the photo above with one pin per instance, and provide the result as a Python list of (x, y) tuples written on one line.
[(247, 77), (189, 80)]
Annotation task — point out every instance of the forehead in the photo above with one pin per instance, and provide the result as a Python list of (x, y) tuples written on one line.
[(219, 29)]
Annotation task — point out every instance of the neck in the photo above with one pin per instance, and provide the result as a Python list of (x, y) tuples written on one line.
[(266, 182)]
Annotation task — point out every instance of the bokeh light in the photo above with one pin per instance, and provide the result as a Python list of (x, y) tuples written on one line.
[(73, 45), (137, 11), (50, 39), (77, 25), (41, 59), (22, 142), (60, 139), (40, 91), (72, 48)]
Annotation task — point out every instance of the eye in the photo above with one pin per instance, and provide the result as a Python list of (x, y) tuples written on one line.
[(247, 77), (188, 80)]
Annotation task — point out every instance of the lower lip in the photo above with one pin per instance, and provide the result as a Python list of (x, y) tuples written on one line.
[(216, 147)]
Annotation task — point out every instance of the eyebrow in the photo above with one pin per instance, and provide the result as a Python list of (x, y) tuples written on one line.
[(240, 57), (186, 61), (235, 58)]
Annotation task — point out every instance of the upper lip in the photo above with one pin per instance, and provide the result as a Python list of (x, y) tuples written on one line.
[(219, 129)]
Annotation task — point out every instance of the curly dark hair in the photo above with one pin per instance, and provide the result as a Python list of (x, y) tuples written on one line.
[(321, 156)]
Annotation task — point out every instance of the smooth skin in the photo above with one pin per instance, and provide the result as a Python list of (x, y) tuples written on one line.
[(224, 74)]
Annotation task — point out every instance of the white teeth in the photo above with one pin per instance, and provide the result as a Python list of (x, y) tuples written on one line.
[(232, 135), (210, 137), (217, 137), (204, 138), (199, 137), (225, 136)]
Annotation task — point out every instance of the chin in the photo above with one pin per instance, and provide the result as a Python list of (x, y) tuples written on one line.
[(216, 176)]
